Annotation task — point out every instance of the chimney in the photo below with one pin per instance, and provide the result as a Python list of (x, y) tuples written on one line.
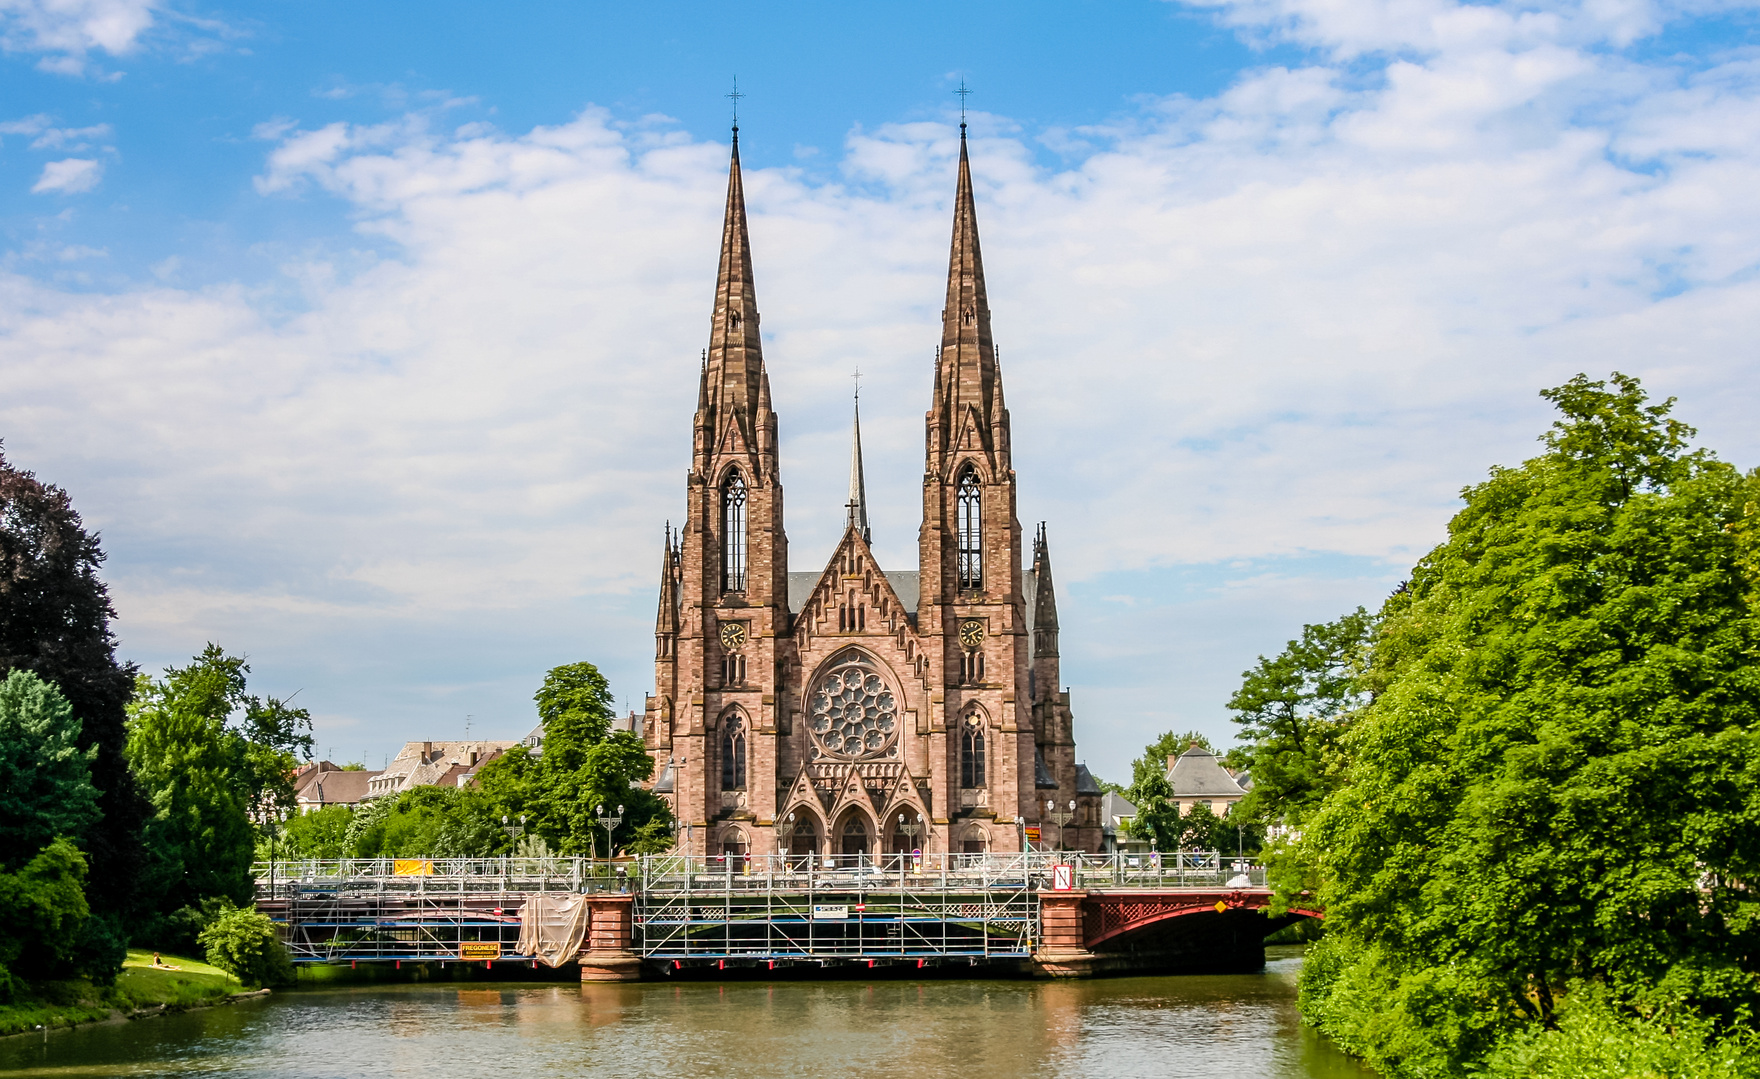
[(1170, 759)]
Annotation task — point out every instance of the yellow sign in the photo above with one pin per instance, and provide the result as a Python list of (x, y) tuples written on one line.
[(1221, 906), (1032, 833), (480, 949), (413, 867)]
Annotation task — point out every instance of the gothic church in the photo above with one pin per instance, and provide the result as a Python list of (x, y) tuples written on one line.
[(859, 710)]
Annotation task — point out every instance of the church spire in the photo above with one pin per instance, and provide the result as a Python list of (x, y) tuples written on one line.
[(966, 391), (858, 488), (736, 390)]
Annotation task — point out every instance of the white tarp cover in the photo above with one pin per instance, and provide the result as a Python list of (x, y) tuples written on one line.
[(553, 927)]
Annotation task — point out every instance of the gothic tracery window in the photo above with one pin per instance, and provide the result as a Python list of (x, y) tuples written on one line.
[(733, 533), (971, 530), (853, 712), (971, 754), (733, 754)]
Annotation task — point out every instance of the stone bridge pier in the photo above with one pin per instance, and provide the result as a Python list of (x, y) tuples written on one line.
[(1086, 933), (607, 953)]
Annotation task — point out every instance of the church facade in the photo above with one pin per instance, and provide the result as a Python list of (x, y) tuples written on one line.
[(855, 710)]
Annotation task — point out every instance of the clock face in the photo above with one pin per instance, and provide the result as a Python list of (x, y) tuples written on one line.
[(733, 634), (971, 633)]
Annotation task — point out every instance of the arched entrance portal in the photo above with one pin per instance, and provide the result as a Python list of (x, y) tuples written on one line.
[(803, 842), (856, 840)]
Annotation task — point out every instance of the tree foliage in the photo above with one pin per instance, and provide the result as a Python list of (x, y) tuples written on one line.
[(55, 622), (242, 942), (1293, 709), (213, 760), (584, 765), (45, 778), (43, 912), (1557, 779)]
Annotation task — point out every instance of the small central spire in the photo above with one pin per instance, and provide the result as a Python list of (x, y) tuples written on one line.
[(858, 488)]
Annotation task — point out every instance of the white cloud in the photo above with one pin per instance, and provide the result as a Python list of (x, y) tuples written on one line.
[(69, 30), (1293, 318), (69, 177)]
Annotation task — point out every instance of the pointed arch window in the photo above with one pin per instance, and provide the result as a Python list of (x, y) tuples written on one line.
[(733, 754), (733, 533), (971, 530), (971, 754)]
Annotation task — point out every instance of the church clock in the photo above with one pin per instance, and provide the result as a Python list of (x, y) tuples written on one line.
[(733, 635), (971, 633)]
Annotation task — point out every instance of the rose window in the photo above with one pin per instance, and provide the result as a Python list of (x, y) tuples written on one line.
[(853, 712)]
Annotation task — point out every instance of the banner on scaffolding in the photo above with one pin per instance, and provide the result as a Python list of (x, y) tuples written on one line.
[(553, 928), (413, 867), (480, 949)]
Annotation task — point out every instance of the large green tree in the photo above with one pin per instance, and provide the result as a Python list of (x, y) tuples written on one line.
[(1557, 780), (1293, 708), (214, 761), (46, 797), (55, 622), (45, 777), (583, 765)]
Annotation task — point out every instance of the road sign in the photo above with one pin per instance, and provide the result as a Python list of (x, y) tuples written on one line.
[(1063, 878)]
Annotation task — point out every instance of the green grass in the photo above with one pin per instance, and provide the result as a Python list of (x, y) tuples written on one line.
[(140, 985), (193, 982)]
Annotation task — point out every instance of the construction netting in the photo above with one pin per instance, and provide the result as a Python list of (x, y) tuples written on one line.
[(553, 928)]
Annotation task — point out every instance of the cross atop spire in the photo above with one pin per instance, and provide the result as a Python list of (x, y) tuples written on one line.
[(734, 97), (858, 488), (963, 93)]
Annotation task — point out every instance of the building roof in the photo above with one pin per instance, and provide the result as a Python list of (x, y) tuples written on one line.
[(1114, 806), (421, 764), (908, 583), (1196, 774), (333, 786), (1085, 781)]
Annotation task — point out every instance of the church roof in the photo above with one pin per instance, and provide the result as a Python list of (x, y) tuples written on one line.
[(908, 583)]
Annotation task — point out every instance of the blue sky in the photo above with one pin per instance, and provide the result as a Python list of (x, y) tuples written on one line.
[(359, 330)]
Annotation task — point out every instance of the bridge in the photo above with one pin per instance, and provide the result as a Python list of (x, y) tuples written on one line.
[(1058, 914)]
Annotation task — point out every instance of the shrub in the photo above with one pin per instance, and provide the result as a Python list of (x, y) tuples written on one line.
[(242, 942)]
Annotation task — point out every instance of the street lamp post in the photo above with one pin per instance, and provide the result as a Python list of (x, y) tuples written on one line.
[(910, 828), (608, 823), (514, 831), (1060, 816)]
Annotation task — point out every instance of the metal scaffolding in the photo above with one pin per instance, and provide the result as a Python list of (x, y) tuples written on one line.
[(975, 907)]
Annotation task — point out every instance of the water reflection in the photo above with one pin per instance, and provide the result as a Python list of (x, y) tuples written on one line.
[(1211, 1026)]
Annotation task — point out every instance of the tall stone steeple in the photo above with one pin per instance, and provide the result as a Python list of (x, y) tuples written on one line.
[(968, 414), (732, 552), (971, 611), (858, 487), (734, 399)]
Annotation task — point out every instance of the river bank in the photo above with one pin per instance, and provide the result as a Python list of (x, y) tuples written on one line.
[(141, 990)]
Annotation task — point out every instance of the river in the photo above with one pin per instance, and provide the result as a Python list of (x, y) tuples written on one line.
[(1208, 1026)]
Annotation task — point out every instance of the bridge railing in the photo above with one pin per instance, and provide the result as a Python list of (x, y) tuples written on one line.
[(1035, 870)]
